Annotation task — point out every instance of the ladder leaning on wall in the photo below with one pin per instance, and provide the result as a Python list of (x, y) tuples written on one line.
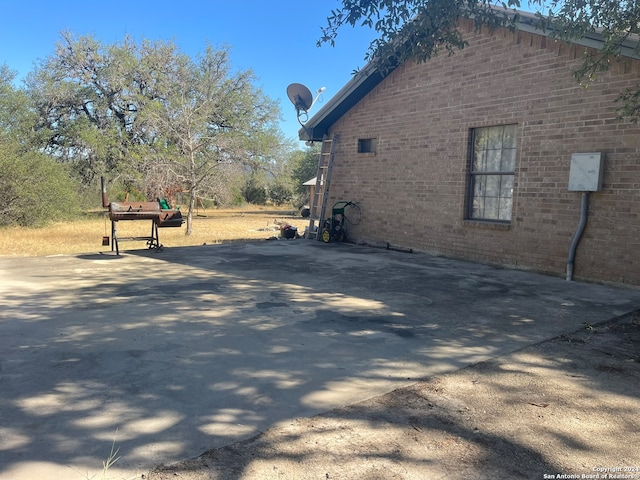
[(323, 179)]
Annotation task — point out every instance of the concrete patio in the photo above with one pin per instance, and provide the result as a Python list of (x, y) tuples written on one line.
[(177, 352)]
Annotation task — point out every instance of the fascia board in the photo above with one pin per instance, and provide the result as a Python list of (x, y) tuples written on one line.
[(356, 88)]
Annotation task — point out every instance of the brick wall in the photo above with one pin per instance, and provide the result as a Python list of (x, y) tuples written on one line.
[(412, 190)]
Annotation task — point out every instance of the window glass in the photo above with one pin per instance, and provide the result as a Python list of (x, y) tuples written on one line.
[(494, 138), (509, 137), (494, 158), (508, 157), (493, 186), (479, 160), (491, 172), (366, 145)]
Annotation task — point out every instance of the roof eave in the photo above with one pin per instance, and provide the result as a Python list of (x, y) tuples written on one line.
[(367, 78), (356, 88), (628, 48)]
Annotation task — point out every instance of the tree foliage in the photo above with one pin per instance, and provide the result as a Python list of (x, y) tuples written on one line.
[(207, 119), (254, 192), (618, 23), (304, 167), (16, 114), (280, 193), (152, 116), (34, 189), (415, 29), (87, 97), (420, 29)]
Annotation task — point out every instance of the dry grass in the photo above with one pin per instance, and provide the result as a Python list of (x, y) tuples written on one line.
[(85, 235)]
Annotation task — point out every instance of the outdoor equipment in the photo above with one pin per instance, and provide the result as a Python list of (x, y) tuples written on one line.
[(288, 231), (333, 228), (160, 218), (159, 213), (319, 194)]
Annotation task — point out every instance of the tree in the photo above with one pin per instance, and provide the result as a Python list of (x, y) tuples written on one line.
[(34, 189), (206, 118), (304, 166), (280, 192), (150, 115), (618, 22), (87, 97), (254, 192), (16, 114), (420, 29)]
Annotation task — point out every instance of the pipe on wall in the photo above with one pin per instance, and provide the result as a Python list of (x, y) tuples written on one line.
[(584, 211)]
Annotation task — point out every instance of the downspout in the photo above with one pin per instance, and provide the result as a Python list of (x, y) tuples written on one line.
[(584, 211)]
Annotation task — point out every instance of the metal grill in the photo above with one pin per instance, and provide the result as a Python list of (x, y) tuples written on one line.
[(133, 211), (128, 211)]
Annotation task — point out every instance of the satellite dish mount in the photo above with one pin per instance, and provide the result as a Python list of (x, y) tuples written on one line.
[(302, 99)]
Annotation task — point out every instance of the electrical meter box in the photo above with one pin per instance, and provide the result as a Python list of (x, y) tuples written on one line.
[(585, 174)]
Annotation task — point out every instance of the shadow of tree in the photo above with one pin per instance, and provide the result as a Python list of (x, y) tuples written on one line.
[(547, 410), (199, 347)]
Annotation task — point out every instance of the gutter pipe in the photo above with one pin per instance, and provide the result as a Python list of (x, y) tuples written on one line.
[(584, 211)]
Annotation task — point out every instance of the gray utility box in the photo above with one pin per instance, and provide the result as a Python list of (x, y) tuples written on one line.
[(586, 171)]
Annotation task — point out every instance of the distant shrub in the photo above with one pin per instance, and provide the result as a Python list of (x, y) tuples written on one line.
[(280, 194), (254, 193), (34, 189)]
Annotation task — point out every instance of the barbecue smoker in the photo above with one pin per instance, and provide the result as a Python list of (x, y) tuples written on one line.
[(159, 213)]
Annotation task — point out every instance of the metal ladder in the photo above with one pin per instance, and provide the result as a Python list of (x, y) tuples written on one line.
[(323, 179)]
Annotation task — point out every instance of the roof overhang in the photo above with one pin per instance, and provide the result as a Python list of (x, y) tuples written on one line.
[(354, 90), (369, 77), (527, 23)]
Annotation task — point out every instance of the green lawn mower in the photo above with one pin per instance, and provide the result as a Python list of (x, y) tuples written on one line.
[(334, 227)]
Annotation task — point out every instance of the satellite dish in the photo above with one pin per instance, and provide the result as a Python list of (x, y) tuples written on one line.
[(300, 96), (302, 99)]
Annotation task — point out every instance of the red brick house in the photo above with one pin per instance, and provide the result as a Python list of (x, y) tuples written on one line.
[(469, 156)]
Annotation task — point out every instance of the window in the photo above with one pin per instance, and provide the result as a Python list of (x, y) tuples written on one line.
[(491, 171), (366, 145)]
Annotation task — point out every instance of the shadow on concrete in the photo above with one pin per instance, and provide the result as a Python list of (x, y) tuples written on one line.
[(403, 434), (178, 352)]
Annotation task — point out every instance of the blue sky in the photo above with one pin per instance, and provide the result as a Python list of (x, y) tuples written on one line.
[(275, 39)]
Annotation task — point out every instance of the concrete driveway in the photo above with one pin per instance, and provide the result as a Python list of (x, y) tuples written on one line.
[(174, 353)]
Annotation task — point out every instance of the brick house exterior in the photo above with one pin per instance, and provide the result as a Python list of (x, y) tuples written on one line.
[(417, 124)]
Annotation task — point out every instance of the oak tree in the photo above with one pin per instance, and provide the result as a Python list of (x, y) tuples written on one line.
[(149, 114)]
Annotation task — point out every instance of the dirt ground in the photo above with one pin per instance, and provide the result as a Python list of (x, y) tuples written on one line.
[(565, 408)]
